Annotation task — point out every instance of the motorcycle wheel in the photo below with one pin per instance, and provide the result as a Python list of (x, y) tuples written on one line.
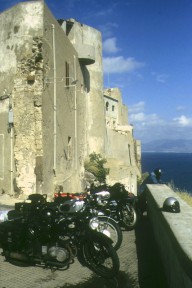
[(101, 257), (111, 228), (129, 217)]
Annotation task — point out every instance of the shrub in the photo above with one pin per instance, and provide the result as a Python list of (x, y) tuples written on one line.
[(95, 165)]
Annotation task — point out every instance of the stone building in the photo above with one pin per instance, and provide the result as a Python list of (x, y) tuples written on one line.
[(52, 109), (123, 152)]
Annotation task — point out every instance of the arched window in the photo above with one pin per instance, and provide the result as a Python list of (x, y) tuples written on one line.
[(107, 106)]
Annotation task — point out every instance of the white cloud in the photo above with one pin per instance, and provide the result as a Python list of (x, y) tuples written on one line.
[(137, 107), (180, 108), (109, 45), (105, 12), (137, 115), (108, 29), (183, 121), (149, 127), (145, 119), (120, 64), (161, 78)]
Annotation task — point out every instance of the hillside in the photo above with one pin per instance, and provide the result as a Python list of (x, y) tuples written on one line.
[(179, 146)]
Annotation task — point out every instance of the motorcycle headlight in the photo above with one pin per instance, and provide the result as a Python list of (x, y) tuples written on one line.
[(94, 223)]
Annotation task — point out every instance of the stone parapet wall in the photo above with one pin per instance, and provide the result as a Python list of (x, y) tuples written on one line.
[(173, 233)]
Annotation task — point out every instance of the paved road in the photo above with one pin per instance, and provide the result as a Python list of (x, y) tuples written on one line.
[(139, 268)]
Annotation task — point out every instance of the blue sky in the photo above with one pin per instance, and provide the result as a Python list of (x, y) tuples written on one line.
[(147, 53)]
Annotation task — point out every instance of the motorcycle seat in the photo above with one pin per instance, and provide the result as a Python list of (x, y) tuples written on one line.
[(14, 215)]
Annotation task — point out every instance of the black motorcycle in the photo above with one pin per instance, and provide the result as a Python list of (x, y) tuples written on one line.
[(122, 206), (37, 233), (91, 205)]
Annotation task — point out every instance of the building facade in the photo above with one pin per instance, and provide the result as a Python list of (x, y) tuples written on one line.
[(52, 108), (123, 152)]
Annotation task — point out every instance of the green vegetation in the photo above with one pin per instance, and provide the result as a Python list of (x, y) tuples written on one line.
[(95, 165), (181, 193), (142, 178), (185, 196)]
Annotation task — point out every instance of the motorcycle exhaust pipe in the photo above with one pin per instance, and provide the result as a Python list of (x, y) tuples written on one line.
[(17, 256), (56, 264)]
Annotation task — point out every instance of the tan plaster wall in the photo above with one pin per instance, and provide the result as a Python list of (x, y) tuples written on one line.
[(70, 116), (93, 79)]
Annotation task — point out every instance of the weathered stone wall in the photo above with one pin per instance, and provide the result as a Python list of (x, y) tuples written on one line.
[(19, 29), (120, 154), (117, 147), (27, 106), (28, 40)]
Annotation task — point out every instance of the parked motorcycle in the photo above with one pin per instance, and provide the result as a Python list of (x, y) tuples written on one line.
[(38, 233), (91, 205), (122, 206)]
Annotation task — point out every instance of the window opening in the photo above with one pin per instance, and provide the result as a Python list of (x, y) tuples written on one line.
[(69, 26), (107, 106), (69, 148), (67, 73), (129, 149)]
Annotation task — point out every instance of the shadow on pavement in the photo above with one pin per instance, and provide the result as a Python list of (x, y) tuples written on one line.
[(121, 281), (150, 268)]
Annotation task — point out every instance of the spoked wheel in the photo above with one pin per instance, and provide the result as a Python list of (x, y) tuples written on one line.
[(129, 217), (101, 257), (111, 228)]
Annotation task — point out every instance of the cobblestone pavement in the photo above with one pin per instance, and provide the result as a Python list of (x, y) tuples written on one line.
[(139, 268)]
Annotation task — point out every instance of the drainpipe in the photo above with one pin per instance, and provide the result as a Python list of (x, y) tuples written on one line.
[(12, 161), (75, 76), (10, 129), (55, 103)]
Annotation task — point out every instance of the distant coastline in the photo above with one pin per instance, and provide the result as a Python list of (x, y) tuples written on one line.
[(168, 146), (178, 152)]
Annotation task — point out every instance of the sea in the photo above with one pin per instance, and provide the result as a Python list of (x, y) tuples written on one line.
[(176, 168)]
